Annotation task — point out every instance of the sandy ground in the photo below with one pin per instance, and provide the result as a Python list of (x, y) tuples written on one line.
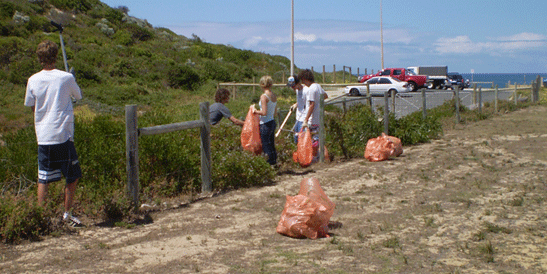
[(473, 201)]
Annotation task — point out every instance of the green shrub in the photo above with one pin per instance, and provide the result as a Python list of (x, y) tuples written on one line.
[(7, 9), (352, 130), (139, 33), (123, 37), (77, 5), (215, 70), (21, 218), (183, 76)]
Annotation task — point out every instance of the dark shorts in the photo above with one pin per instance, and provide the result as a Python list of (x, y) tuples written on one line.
[(57, 160)]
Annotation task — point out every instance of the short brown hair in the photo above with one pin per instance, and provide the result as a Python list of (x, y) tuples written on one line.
[(221, 95), (307, 75), (47, 52)]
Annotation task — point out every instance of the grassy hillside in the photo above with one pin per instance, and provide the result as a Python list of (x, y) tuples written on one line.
[(118, 59)]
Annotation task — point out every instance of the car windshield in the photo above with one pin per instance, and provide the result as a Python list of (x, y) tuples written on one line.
[(395, 80)]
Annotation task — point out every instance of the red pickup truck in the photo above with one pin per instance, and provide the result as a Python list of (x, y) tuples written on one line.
[(414, 81)]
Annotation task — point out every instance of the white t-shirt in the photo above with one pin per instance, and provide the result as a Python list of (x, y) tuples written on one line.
[(313, 94), (51, 93), (300, 104)]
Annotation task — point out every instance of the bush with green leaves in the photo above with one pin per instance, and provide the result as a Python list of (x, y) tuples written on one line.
[(183, 76)]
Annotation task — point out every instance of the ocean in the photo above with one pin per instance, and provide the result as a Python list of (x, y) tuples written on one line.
[(502, 79)]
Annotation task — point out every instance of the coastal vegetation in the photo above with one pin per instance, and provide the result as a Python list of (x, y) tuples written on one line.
[(120, 60)]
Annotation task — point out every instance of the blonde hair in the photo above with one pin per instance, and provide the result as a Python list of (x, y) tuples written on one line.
[(266, 81)]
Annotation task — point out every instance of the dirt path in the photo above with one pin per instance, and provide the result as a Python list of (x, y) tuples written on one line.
[(471, 202)]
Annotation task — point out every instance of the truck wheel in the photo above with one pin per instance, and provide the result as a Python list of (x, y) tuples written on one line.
[(412, 86), (354, 92)]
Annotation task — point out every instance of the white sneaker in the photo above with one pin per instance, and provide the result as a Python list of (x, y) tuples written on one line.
[(71, 220)]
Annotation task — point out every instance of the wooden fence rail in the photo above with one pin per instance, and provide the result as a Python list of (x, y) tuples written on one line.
[(132, 146)]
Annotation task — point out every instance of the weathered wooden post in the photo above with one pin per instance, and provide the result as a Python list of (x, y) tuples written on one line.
[(343, 74), (424, 104), (474, 93), (132, 154), (206, 184), (480, 100), (393, 101), (515, 94), (349, 77), (368, 95), (323, 73), (496, 91), (322, 130), (386, 112), (334, 74), (457, 102)]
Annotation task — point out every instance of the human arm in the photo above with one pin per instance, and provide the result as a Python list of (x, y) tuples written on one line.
[(236, 121), (308, 115)]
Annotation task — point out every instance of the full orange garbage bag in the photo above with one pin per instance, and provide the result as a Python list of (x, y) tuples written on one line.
[(308, 213), (382, 148), (304, 149), (250, 134)]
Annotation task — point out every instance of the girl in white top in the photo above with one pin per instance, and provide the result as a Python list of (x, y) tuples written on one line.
[(268, 103)]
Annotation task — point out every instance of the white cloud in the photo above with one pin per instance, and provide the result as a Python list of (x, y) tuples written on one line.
[(298, 36), (508, 44)]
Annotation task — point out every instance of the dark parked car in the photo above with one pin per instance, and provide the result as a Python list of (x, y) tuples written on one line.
[(456, 79)]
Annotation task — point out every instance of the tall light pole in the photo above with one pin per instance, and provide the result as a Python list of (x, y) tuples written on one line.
[(292, 37), (382, 34)]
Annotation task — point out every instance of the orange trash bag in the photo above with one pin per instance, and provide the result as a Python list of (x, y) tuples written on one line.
[(250, 134), (304, 149), (308, 213), (382, 148)]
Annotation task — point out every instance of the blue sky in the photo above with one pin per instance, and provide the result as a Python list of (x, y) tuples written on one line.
[(486, 36)]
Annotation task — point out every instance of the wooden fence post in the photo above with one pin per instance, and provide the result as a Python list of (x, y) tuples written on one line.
[(334, 74), (386, 112), (496, 99), (349, 80), (393, 101), (368, 95), (457, 102), (474, 93), (323, 73), (424, 104), (515, 94), (322, 130), (132, 154), (480, 101), (206, 184)]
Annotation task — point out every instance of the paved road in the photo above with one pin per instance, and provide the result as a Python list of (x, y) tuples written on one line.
[(407, 103)]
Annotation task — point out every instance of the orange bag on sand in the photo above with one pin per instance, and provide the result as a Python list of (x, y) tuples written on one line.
[(308, 213), (382, 148), (304, 150), (250, 134)]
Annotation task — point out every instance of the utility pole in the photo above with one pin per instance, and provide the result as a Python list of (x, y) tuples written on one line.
[(382, 34), (292, 38)]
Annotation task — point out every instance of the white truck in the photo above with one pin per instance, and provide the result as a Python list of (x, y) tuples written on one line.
[(437, 76)]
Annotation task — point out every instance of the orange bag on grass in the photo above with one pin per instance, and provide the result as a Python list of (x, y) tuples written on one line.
[(382, 148), (250, 134), (308, 213), (304, 149)]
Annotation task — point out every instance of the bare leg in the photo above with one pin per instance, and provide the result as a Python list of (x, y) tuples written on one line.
[(70, 189), (42, 194)]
